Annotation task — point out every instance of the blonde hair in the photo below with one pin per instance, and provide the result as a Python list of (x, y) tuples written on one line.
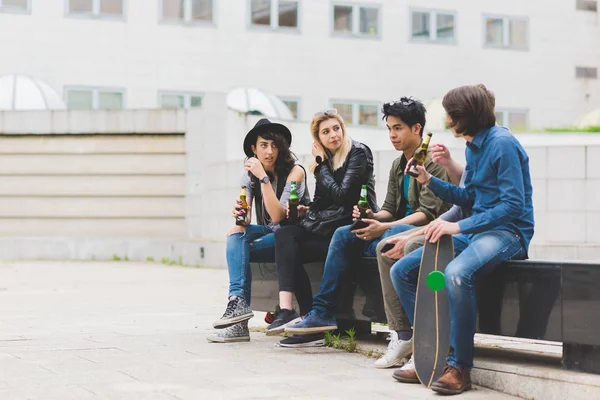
[(336, 160)]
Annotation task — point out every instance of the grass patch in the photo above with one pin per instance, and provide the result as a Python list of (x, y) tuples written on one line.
[(347, 343)]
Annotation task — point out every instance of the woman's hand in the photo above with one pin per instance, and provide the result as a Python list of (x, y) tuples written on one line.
[(356, 213), (302, 210), (237, 209), (317, 151), (255, 167)]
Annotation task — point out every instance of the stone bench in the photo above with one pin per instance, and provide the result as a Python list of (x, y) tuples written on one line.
[(543, 300)]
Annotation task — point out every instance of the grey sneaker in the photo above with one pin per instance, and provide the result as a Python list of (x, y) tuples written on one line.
[(234, 333), (298, 341), (237, 311), (283, 319)]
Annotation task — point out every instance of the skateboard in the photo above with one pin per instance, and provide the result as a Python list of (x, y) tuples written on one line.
[(432, 315)]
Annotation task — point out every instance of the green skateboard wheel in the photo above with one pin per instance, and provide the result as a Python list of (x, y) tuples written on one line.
[(436, 281)]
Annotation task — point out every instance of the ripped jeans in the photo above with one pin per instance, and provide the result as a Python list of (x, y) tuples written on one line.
[(258, 244), (476, 254)]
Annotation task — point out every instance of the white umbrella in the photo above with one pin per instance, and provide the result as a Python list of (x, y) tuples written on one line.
[(251, 100), (592, 118), (21, 92)]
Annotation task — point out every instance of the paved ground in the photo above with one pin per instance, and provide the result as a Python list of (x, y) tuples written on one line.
[(138, 331)]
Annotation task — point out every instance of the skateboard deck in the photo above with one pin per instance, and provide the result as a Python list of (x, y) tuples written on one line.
[(432, 316)]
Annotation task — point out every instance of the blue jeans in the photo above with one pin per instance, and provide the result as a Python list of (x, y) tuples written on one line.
[(475, 254), (257, 243), (344, 249)]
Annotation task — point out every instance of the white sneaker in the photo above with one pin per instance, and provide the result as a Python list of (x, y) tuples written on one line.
[(410, 364), (396, 352)]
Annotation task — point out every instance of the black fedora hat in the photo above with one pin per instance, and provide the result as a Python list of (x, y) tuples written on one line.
[(264, 125)]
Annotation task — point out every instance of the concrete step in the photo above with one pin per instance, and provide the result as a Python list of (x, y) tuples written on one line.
[(94, 185), (91, 164)]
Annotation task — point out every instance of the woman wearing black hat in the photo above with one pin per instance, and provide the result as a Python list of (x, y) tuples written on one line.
[(269, 168), (340, 168)]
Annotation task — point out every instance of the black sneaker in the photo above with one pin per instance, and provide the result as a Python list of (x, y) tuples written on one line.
[(237, 311), (310, 340), (283, 318)]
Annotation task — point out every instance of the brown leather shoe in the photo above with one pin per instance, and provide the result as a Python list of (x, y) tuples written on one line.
[(453, 381), (406, 375)]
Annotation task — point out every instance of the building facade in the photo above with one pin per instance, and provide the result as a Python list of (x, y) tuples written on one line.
[(540, 58)]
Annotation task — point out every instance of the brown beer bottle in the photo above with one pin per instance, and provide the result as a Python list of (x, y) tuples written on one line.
[(241, 219), (420, 156)]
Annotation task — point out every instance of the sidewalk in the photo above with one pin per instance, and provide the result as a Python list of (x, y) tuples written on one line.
[(124, 330)]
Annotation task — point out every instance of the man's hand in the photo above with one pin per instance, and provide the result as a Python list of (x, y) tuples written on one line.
[(423, 177), (397, 251), (373, 231), (356, 213), (439, 227), (441, 155)]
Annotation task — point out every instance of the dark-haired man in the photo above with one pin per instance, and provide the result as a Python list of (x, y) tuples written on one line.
[(407, 204)]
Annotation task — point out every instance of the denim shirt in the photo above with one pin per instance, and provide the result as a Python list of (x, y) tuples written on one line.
[(497, 186)]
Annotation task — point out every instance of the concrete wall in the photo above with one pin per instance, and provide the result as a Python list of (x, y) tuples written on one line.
[(143, 56), (83, 185)]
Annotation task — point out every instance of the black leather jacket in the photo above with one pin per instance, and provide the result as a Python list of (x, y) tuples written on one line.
[(342, 187)]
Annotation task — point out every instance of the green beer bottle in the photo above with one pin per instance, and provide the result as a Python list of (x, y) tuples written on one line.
[(293, 203), (363, 203)]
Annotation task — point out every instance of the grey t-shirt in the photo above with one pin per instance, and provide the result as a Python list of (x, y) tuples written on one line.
[(457, 213), (283, 200)]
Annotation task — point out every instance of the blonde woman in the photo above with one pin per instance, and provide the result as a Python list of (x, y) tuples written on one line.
[(341, 167)]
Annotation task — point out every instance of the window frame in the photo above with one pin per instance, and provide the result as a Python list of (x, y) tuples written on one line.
[(187, 16), (577, 68), (356, 110), (433, 13), (505, 32), (578, 2), (356, 6), (298, 101), (12, 10), (506, 111), (274, 26), (187, 98), (96, 90), (95, 13)]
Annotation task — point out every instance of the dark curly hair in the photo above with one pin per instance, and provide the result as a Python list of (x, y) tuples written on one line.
[(410, 111), (286, 159)]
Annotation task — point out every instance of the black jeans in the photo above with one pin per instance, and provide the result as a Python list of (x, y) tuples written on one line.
[(294, 247)]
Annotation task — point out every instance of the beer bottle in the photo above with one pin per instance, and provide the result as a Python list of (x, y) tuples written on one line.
[(419, 156), (293, 203), (241, 219), (363, 203)]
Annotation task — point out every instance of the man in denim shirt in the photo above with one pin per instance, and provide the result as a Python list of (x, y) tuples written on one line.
[(498, 189)]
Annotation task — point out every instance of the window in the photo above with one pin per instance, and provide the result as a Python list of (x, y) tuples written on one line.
[(97, 8), (356, 20), (433, 26), (89, 98), (587, 5), (515, 120), (179, 99), (358, 113), (293, 104), (586, 73), (188, 11), (15, 5), (274, 13), (506, 32)]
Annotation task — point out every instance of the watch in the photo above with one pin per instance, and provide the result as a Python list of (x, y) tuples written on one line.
[(265, 179)]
